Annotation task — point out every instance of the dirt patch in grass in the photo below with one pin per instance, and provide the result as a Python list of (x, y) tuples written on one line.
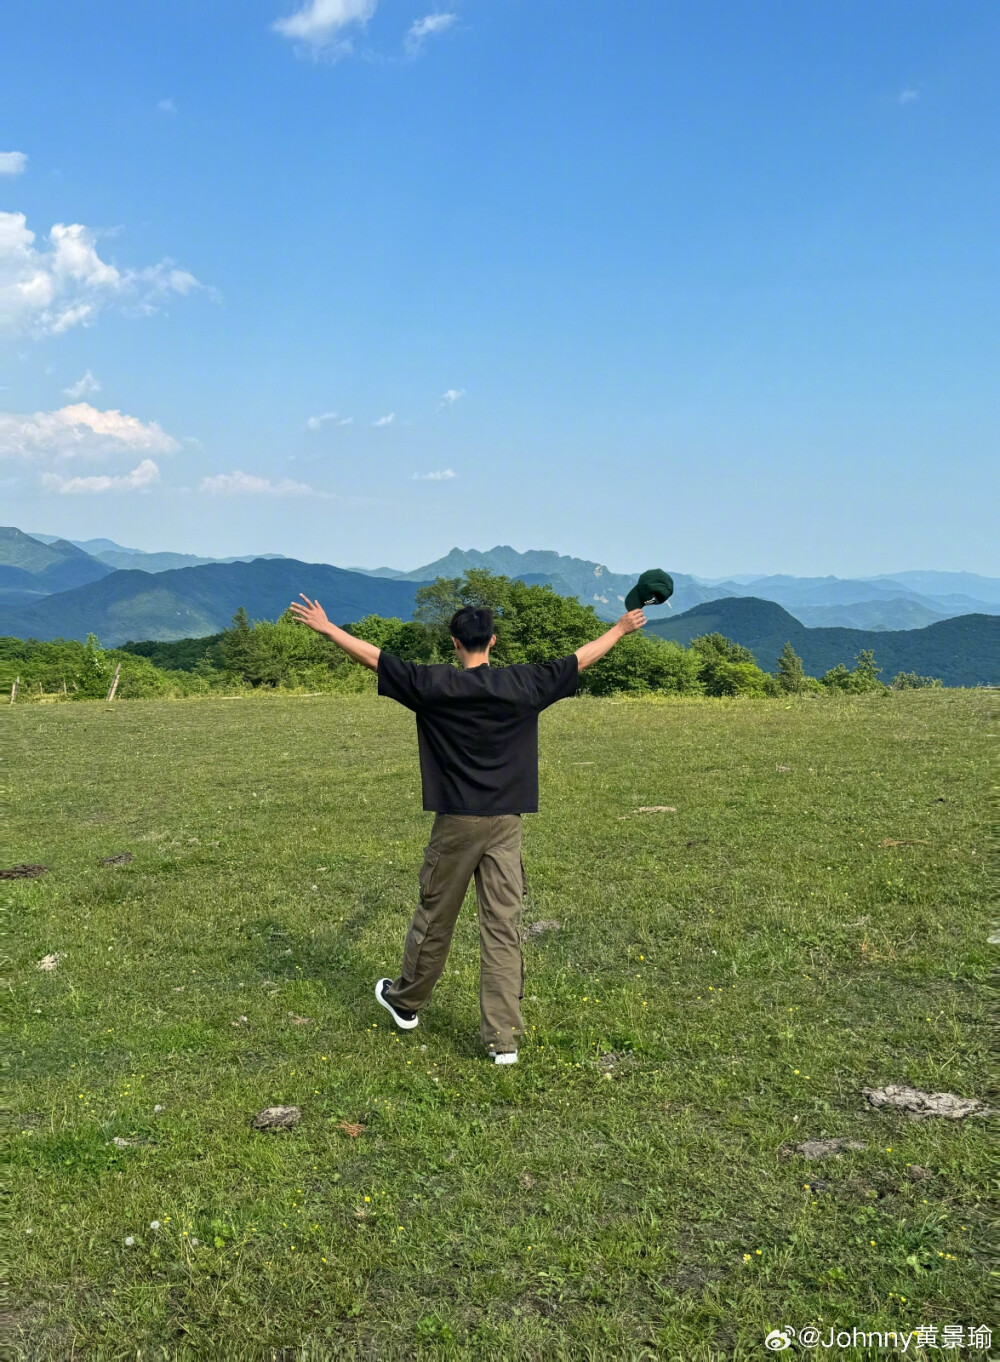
[(823, 1149), (119, 858)]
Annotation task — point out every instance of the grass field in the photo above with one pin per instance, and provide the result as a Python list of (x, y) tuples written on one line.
[(726, 979)]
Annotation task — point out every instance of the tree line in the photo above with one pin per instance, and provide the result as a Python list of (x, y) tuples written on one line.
[(533, 624)]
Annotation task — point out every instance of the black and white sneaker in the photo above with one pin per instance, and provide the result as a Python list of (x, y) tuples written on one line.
[(406, 1021), (503, 1056)]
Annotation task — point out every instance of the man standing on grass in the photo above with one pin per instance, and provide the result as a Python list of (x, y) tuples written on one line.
[(477, 731)]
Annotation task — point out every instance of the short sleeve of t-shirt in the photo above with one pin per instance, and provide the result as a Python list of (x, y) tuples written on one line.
[(556, 680), (399, 680)]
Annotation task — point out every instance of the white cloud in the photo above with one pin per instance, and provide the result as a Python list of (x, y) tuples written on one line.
[(385, 420), (48, 291), (907, 96), (452, 396), (422, 29), (320, 23), (317, 422), (166, 106), (79, 431), (140, 479), (87, 384), (439, 475), (13, 162), (239, 483)]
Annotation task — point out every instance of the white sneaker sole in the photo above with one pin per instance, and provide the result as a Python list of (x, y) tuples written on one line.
[(510, 1058), (401, 1022)]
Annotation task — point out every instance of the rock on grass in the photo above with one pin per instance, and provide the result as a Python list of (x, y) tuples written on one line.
[(548, 924), (921, 1105), (277, 1118)]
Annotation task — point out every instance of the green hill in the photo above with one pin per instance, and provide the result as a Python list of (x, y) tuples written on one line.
[(964, 651), (187, 602)]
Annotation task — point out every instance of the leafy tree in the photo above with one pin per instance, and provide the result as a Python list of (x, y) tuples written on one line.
[(374, 629), (532, 623), (411, 640), (718, 645), (435, 604), (866, 671), (537, 625), (837, 678), (96, 670), (181, 654), (281, 652), (791, 676)]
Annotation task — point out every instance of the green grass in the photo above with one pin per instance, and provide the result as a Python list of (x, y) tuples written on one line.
[(754, 959)]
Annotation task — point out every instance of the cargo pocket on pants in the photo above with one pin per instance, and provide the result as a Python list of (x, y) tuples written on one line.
[(428, 874)]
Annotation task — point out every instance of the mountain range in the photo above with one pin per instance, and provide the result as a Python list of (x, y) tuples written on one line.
[(115, 556), (51, 587), (909, 600), (187, 602)]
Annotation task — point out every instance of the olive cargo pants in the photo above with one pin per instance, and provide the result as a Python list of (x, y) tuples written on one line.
[(489, 849)]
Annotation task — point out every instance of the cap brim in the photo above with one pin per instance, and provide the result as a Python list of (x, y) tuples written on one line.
[(632, 601)]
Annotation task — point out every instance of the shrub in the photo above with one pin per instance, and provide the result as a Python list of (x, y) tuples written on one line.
[(641, 663), (727, 668), (911, 681), (863, 679), (413, 641)]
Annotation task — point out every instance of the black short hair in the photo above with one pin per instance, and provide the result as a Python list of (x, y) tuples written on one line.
[(472, 626)]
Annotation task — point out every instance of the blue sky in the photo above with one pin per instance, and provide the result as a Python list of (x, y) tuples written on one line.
[(709, 285)]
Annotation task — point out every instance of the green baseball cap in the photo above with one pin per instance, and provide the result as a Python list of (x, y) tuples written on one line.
[(653, 588)]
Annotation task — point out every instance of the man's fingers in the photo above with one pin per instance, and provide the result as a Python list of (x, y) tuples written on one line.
[(307, 600)]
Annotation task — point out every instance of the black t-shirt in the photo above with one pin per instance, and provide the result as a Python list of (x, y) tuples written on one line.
[(478, 729)]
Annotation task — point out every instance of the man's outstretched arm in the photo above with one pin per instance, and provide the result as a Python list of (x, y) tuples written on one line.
[(593, 652), (313, 614)]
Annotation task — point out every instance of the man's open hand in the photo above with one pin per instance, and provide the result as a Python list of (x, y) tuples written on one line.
[(312, 613), (629, 623)]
